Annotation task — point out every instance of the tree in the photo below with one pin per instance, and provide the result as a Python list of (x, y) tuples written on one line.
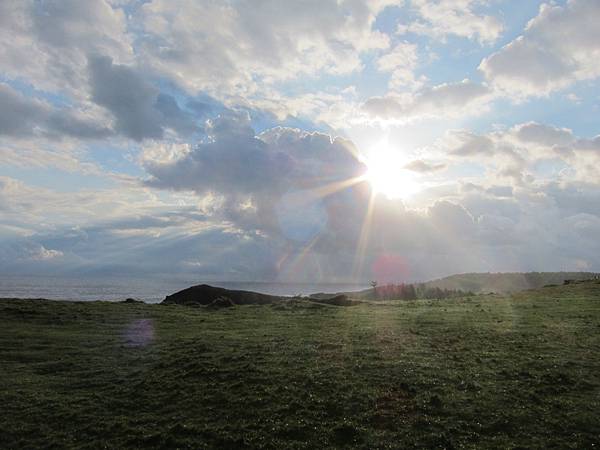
[(373, 284)]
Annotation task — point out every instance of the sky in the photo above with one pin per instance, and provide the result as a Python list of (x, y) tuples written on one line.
[(306, 141)]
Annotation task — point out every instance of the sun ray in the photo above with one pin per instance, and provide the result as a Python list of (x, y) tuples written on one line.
[(293, 263), (364, 237), (305, 251), (336, 186), (283, 259)]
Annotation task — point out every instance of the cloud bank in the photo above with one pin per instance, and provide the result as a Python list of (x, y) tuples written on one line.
[(232, 140)]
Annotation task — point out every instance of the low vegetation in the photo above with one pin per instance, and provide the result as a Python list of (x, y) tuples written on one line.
[(407, 291), (480, 372), (505, 282)]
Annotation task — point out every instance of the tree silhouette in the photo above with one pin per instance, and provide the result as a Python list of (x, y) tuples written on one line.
[(373, 284)]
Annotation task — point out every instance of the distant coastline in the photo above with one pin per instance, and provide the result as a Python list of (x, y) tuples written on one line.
[(150, 290), (153, 290)]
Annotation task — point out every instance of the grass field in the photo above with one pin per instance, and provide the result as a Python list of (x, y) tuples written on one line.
[(482, 372)]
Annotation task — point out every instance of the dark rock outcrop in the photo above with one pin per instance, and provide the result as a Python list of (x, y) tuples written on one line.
[(204, 294), (221, 302)]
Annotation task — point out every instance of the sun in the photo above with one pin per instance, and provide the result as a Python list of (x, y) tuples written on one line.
[(386, 172)]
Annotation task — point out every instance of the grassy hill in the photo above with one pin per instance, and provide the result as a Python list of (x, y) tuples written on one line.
[(506, 282), (488, 371)]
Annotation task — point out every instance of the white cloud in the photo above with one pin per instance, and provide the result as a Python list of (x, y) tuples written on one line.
[(421, 166), (251, 174), (520, 152), (46, 43), (442, 18), (401, 62), (244, 205), (477, 227), (545, 135), (227, 49), (444, 100), (32, 208), (42, 254), (560, 46), (260, 200)]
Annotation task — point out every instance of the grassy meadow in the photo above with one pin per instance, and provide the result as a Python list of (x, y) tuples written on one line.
[(521, 371)]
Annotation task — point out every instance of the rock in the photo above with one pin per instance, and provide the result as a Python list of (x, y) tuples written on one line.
[(221, 302), (204, 294)]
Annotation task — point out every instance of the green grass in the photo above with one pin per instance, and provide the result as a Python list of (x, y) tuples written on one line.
[(506, 282), (482, 372)]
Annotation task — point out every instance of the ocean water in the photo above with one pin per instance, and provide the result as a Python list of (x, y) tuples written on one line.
[(149, 289)]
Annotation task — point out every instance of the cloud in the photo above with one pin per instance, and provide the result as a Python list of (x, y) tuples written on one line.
[(448, 99), (497, 153), (477, 191), (574, 197), (467, 143), (558, 47), (440, 19), (453, 219), (46, 42), (22, 116), (28, 253), (401, 62), (251, 173), (140, 110), (482, 226), (526, 152), (29, 208), (542, 134), (240, 197), (313, 238), (272, 41), (424, 167)]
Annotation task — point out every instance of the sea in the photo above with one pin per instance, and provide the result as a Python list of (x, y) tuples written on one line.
[(149, 290)]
